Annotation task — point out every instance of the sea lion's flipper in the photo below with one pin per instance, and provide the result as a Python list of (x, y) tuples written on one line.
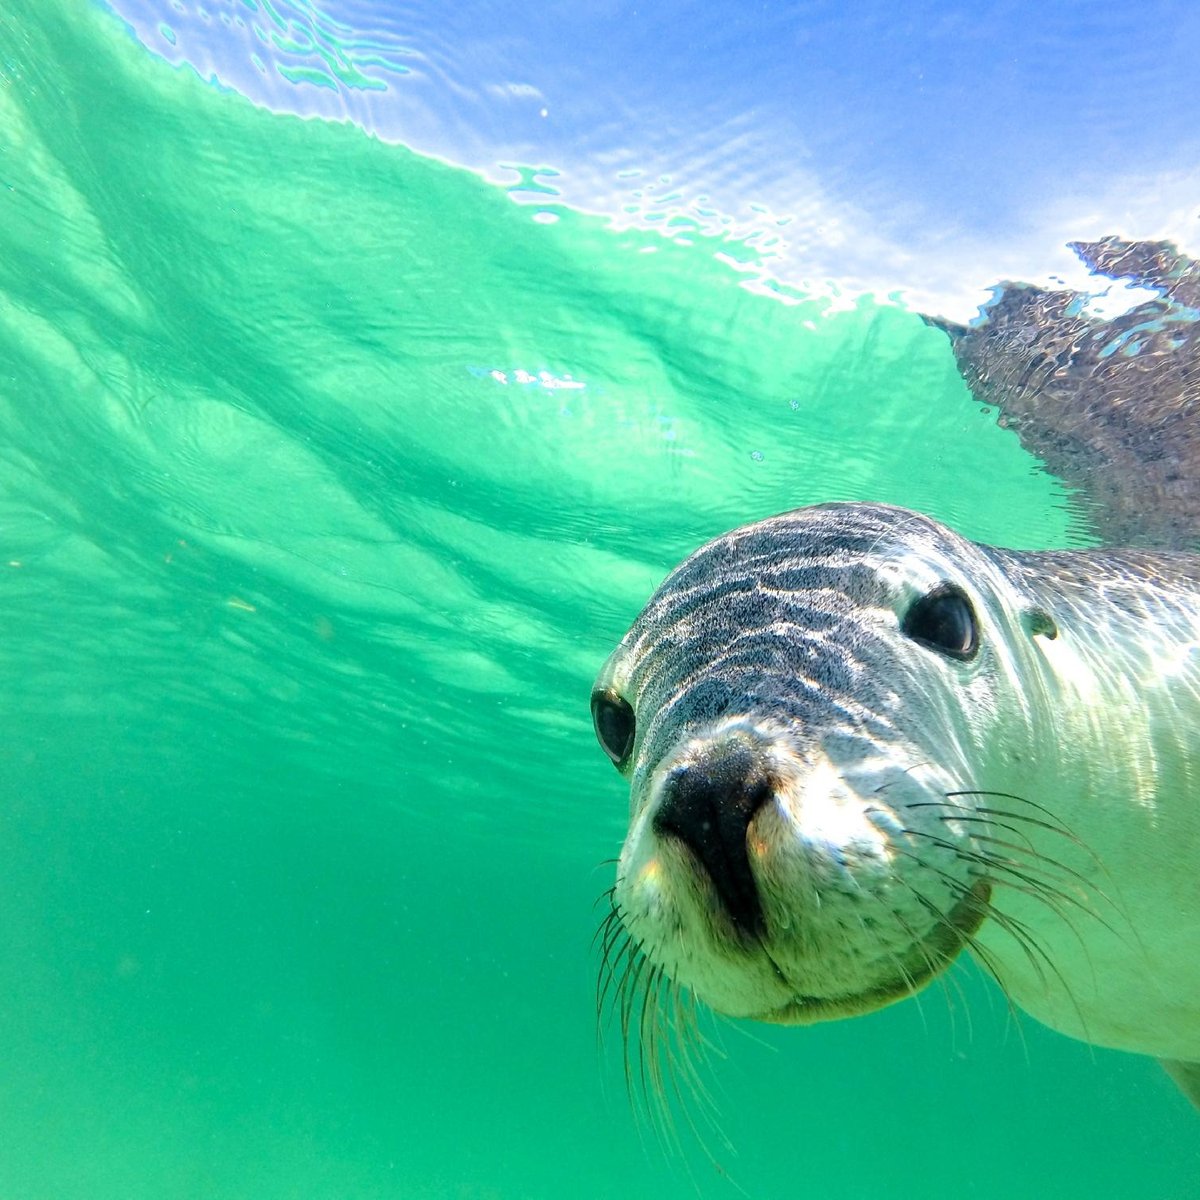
[(1187, 1075)]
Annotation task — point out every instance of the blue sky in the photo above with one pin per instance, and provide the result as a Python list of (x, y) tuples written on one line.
[(930, 147)]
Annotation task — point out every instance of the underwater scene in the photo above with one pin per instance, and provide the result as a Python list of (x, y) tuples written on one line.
[(341, 441)]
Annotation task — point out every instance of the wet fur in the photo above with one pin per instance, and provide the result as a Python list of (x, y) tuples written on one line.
[(1045, 917)]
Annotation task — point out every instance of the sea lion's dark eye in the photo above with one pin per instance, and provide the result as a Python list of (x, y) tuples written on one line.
[(944, 620), (615, 724)]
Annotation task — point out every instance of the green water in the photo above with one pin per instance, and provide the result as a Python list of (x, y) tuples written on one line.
[(302, 820)]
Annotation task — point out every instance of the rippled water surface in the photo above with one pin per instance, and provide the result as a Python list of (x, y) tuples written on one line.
[(330, 471), (933, 147)]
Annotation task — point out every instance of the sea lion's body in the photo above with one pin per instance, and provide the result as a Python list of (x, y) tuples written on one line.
[(859, 743)]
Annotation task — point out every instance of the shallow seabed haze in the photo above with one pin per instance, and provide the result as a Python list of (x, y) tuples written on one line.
[(328, 477)]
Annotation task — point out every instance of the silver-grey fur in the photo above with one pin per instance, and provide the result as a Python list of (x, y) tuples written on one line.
[(869, 805)]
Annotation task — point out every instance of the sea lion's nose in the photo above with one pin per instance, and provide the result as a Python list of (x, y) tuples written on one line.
[(708, 804)]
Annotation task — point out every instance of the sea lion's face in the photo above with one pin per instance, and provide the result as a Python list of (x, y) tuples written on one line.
[(801, 710)]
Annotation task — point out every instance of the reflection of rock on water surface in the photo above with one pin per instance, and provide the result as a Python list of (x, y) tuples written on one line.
[(1109, 405)]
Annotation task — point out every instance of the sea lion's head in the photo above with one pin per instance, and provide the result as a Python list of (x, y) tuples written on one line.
[(806, 710)]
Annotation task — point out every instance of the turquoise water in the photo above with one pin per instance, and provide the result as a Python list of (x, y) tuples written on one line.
[(328, 477)]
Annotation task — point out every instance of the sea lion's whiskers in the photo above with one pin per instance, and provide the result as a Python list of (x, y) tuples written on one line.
[(621, 967), (1048, 819), (661, 1040), (1021, 878), (1033, 950), (998, 871), (637, 984), (606, 896), (789, 710), (623, 982), (1019, 931), (932, 967), (1041, 887), (668, 1081), (609, 933), (1078, 842), (999, 819), (945, 979), (618, 948), (684, 1044), (1128, 933), (649, 1042), (969, 939), (981, 955), (636, 1001)]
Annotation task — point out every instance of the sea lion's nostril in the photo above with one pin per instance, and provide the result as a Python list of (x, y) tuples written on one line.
[(708, 805)]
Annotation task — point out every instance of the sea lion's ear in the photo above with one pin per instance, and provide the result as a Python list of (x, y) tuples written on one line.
[(1187, 1075), (1039, 623)]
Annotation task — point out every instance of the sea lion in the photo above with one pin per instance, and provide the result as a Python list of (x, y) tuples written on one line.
[(859, 743)]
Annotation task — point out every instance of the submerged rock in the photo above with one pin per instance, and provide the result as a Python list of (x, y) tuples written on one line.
[(1109, 405)]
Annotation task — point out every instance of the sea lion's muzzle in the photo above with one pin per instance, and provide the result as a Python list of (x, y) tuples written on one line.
[(708, 804)]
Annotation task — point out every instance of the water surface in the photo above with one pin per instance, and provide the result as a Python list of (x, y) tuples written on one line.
[(328, 477)]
